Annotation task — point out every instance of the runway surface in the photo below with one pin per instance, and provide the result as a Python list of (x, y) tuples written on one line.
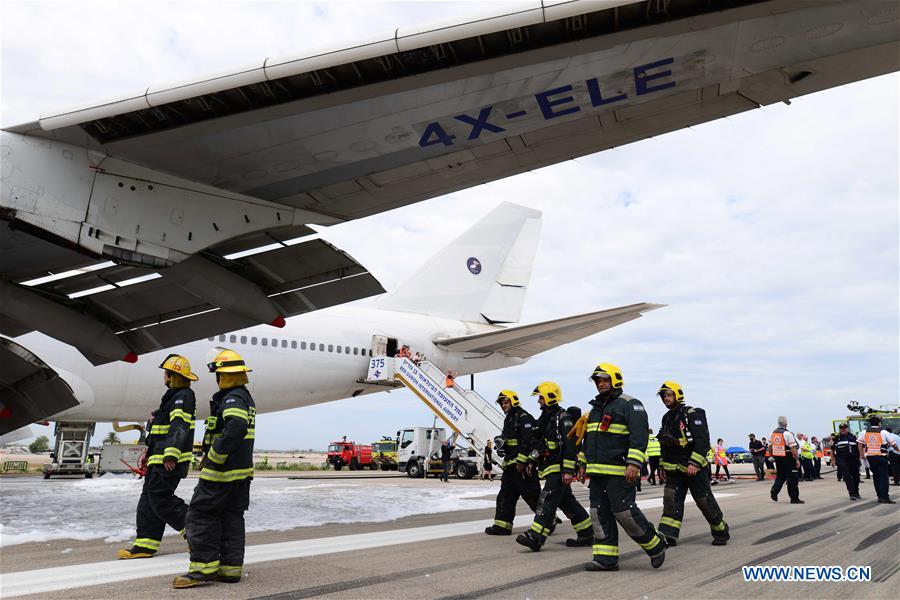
[(445, 555)]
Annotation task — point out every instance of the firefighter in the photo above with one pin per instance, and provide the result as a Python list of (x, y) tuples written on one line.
[(167, 459), (614, 447), (684, 439), (514, 442), (215, 518), (552, 453)]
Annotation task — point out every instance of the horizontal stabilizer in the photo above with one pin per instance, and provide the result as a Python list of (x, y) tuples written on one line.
[(525, 341)]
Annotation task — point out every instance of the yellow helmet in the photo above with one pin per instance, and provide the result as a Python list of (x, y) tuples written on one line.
[(508, 395), (550, 391), (611, 371), (228, 361), (175, 363), (671, 386)]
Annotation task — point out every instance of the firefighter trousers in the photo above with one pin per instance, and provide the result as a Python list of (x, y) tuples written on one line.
[(612, 502), (514, 485), (215, 527), (555, 496), (159, 506), (677, 486)]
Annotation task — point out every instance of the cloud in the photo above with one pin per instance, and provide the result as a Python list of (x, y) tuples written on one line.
[(771, 235)]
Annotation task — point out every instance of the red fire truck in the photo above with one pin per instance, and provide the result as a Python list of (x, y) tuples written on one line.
[(350, 454)]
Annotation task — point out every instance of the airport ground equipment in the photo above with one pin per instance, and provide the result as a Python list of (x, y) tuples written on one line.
[(120, 458), (71, 450), (350, 454), (470, 417), (889, 413), (419, 453), (384, 453)]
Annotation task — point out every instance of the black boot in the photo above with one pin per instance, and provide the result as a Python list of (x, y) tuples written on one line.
[(497, 530), (657, 560), (581, 541), (720, 538), (531, 540), (595, 566)]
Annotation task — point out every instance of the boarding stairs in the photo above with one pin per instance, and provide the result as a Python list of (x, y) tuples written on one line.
[(464, 411)]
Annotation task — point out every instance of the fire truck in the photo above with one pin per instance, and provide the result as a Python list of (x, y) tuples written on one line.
[(350, 454), (384, 453), (890, 417)]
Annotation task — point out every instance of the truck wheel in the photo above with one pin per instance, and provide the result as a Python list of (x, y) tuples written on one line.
[(373, 466), (354, 464), (337, 466), (462, 471), (385, 467), (414, 470)]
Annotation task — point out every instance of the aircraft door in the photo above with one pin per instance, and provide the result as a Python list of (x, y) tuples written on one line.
[(384, 346)]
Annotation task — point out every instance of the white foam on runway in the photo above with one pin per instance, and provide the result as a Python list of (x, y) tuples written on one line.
[(40, 581), (41, 511)]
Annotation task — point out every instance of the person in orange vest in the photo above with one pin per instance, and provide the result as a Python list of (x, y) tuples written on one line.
[(768, 454), (785, 450), (448, 382), (874, 448)]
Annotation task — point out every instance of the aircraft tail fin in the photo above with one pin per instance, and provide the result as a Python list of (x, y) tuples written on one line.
[(482, 276)]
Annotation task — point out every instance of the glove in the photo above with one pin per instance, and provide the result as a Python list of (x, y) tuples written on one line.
[(579, 429), (632, 473)]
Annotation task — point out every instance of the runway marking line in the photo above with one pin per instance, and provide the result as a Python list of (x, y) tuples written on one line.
[(39, 581)]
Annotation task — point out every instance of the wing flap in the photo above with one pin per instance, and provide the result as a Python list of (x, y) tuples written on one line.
[(527, 340), (148, 310), (30, 390)]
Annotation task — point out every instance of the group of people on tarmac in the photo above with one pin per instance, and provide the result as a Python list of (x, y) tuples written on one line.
[(609, 446), (213, 522)]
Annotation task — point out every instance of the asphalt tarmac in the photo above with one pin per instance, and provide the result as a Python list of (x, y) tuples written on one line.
[(445, 556)]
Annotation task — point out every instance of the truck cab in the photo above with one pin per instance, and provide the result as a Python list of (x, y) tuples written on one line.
[(419, 454)]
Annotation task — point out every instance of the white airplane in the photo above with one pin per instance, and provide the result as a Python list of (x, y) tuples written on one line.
[(445, 311), (127, 219)]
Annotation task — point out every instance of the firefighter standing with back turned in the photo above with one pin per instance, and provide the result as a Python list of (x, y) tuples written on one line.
[(684, 440), (552, 452), (215, 518), (168, 456), (615, 442), (518, 427)]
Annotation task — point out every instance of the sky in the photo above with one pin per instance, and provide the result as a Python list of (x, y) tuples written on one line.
[(771, 236)]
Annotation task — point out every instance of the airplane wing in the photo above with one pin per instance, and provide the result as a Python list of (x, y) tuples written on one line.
[(348, 132), (172, 179), (525, 341)]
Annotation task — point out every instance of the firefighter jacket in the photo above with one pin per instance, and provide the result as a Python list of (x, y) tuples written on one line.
[(172, 427), (846, 445), (518, 427), (616, 434), (228, 441), (684, 439), (551, 448)]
